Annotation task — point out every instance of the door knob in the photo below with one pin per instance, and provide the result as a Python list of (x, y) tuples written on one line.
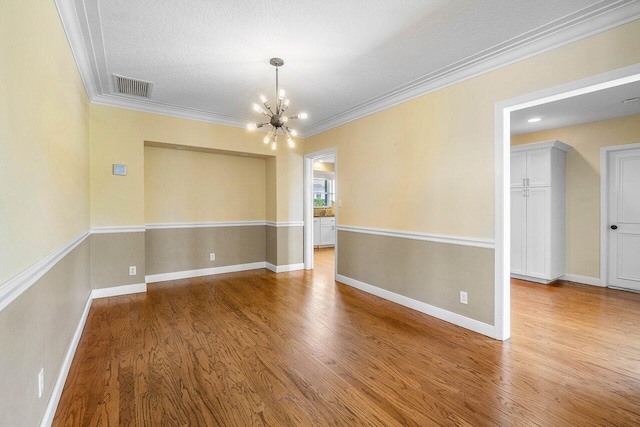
[(614, 227)]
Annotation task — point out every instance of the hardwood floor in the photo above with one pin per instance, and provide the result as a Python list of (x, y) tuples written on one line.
[(256, 348)]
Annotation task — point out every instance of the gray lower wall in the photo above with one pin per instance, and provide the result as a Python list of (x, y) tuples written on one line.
[(430, 272), (272, 244), (170, 250), (285, 245), (111, 256), (35, 332)]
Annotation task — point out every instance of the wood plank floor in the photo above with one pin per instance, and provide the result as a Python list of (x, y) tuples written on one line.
[(256, 348)]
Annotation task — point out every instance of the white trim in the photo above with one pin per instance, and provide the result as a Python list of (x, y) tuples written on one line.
[(154, 107), (158, 226), (307, 204), (574, 27), (54, 399), (176, 275), (440, 313), (584, 23), (502, 113), (593, 281), (14, 287), (118, 229), (52, 405), (542, 144), (533, 279), (438, 238), (285, 224), (604, 208), (119, 290), (284, 268)]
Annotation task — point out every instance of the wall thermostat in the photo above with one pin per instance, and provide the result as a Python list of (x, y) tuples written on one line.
[(119, 169)]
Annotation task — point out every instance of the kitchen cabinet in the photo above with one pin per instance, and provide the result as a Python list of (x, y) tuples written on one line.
[(324, 231), (538, 211)]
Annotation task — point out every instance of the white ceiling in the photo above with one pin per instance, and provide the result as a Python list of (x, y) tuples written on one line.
[(592, 107), (209, 59)]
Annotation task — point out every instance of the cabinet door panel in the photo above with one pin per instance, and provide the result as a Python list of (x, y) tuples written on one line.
[(518, 168), (538, 231), (518, 230), (539, 168), (328, 234)]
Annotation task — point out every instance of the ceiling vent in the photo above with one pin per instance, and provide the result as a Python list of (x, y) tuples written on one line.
[(133, 87)]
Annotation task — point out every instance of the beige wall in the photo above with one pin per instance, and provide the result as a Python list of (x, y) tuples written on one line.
[(118, 135), (433, 171), (323, 167), (44, 201), (583, 183), (44, 137), (189, 186)]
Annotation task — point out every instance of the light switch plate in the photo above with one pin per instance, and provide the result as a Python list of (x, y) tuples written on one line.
[(120, 170)]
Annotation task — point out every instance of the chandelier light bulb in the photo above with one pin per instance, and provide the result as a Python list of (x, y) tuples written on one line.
[(293, 132), (281, 95), (290, 141), (303, 115), (284, 119), (286, 102), (252, 126), (273, 146), (256, 108), (263, 98), (266, 139)]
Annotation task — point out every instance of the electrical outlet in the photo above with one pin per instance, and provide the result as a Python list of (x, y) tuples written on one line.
[(212, 257), (463, 297), (132, 270), (40, 382)]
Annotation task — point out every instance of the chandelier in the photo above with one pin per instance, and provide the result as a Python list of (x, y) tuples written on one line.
[(276, 119)]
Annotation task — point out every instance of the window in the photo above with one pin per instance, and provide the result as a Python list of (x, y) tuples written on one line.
[(323, 192)]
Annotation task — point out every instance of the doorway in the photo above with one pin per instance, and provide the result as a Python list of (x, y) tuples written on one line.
[(320, 207), (503, 111)]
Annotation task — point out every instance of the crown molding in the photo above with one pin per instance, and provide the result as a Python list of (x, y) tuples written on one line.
[(582, 24), (149, 106), (573, 27)]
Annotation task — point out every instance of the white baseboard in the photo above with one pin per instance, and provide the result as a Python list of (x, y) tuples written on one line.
[(532, 279), (582, 279), (119, 290), (203, 272), (50, 412), (284, 268), (448, 316)]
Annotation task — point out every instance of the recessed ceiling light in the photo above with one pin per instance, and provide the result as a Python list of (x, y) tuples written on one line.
[(535, 119), (631, 100), (179, 147)]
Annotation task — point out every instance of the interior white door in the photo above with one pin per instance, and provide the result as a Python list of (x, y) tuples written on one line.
[(538, 231), (624, 219), (518, 230)]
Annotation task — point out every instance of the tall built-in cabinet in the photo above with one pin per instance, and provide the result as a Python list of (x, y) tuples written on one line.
[(538, 211)]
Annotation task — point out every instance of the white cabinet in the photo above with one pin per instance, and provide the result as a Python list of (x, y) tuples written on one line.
[(324, 231), (538, 211), (316, 231)]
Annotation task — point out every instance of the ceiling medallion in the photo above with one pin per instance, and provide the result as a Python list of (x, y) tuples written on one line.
[(277, 119)]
